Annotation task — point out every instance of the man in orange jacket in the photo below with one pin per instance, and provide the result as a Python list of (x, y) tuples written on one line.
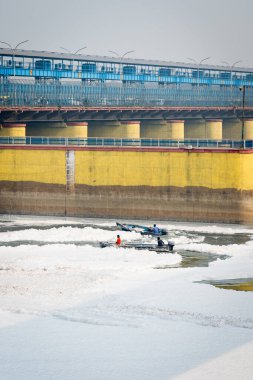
[(118, 241)]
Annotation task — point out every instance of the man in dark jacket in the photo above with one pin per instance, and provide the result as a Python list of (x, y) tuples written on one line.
[(160, 242)]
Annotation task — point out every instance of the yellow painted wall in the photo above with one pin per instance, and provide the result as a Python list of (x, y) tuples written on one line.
[(46, 166), (131, 168), (211, 170)]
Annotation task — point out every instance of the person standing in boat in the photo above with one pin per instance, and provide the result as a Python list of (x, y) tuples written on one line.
[(160, 242), (118, 241), (156, 229)]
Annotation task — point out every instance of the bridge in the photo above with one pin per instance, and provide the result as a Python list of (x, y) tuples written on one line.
[(77, 94), (34, 78)]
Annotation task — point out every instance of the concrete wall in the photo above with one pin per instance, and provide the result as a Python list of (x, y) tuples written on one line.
[(162, 129), (232, 129), (195, 129), (115, 129), (70, 129), (128, 183)]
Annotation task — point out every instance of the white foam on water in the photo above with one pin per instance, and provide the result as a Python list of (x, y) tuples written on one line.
[(57, 272), (118, 294), (209, 228), (230, 250), (66, 234)]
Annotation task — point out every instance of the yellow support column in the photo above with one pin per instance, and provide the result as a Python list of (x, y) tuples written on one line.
[(77, 129), (177, 129), (115, 129), (195, 129), (131, 129), (214, 129), (232, 129), (12, 130), (248, 129)]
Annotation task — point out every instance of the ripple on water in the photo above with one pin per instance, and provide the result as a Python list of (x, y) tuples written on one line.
[(192, 259)]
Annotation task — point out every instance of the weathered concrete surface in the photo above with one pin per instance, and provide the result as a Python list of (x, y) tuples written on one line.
[(209, 186), (189, 204)]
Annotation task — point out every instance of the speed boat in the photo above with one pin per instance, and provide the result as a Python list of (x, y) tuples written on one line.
[(143, 230), (166, 248)]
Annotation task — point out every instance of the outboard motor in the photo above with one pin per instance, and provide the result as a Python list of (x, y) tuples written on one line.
[(171, 245)]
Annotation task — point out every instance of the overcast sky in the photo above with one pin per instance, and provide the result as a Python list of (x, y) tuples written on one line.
[(156, 29)]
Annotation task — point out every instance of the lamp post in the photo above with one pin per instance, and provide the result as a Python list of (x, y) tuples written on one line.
[(121, 58), (243, 89), (72, 72), (13, 52), (198, 64), (73, 55), (231, 68)]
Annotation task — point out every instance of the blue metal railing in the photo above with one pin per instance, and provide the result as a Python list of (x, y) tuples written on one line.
[(117, 142), (136, 72)]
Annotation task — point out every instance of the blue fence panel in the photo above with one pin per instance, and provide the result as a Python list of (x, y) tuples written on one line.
[(249, 144), (60, 94)]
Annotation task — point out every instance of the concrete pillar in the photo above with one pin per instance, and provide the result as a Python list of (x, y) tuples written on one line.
[(114, 129), (248, 129), (58, 129), (177, 129), (214, 129), (77, 129), (195, 129), (162, 129), (232, 129), (12, 130)]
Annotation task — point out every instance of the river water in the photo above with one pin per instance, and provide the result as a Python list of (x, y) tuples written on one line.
[(72, 310)]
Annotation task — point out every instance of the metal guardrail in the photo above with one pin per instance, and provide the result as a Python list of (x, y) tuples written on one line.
[(159, 143)]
